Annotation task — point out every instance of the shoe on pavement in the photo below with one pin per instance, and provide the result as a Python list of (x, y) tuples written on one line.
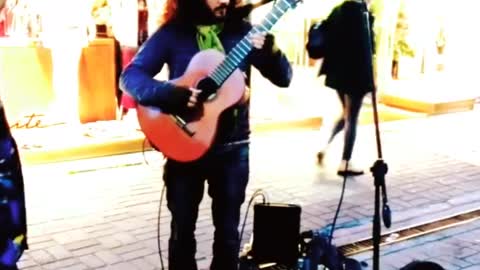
[(350, 171)]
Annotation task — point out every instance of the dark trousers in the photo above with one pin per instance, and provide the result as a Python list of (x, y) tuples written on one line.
[(226, 171), (351, 110)]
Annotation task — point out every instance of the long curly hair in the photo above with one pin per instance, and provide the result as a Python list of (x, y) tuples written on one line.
[(190, 12)]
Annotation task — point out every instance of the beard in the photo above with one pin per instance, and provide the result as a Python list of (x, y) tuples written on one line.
[(220, 12)]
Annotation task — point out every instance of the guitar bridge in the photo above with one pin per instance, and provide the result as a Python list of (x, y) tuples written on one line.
[(182, 124)]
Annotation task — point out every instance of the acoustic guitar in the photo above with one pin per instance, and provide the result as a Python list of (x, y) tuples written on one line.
[(188, 136)]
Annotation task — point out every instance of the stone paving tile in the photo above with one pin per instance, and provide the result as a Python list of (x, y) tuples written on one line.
[(109, 216)]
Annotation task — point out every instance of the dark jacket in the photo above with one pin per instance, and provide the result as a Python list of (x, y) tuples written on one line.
[(12, 196), (174, 45), (348, 60)]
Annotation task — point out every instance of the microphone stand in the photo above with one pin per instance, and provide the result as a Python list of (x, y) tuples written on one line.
[(379, 168)]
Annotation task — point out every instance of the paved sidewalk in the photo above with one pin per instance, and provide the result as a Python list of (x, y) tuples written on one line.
[(102, 213), (455, 248)]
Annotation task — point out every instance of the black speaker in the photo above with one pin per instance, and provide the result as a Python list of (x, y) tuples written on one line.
[(276, 230)]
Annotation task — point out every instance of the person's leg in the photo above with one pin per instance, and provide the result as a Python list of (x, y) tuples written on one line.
[(185, 188), (339, 125), (353, 107), (226, 185)]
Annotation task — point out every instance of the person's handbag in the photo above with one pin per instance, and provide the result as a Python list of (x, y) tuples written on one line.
[(316, 40)]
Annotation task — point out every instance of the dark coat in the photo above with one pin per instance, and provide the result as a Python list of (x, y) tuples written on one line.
[(13, 219), (348, 60)]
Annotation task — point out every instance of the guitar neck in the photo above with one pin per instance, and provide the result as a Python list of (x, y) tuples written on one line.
[(243, 48)]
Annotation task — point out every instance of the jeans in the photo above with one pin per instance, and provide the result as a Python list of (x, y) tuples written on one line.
[(351, 110), (226, 170)]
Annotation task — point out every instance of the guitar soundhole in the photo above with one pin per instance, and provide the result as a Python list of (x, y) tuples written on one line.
[(209, 88)]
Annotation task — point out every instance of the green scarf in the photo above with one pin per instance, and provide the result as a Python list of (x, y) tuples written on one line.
[(207, 37)]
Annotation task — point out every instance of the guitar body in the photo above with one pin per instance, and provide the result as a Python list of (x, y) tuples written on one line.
[(188, 136), (191, 141)]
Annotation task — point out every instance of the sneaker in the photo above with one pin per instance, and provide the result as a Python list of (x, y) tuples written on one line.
[(320, 156), (350, 171)]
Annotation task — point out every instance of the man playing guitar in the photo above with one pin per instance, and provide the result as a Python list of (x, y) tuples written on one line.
[(191, 26)]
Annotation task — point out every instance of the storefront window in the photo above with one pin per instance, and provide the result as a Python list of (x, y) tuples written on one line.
[(427, 53)]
